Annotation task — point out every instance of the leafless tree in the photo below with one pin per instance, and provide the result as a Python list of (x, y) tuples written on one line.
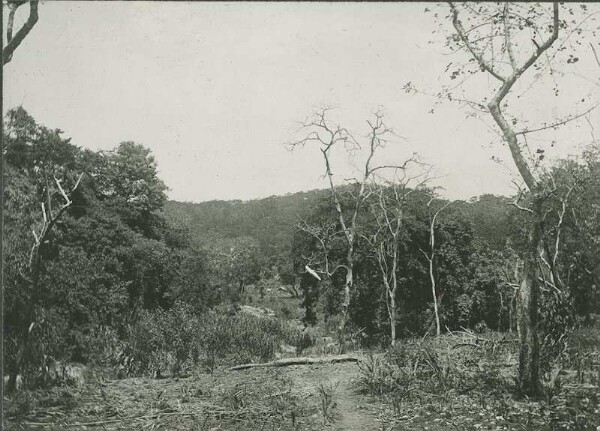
[(319, 131), (430, 256), (388, 210)]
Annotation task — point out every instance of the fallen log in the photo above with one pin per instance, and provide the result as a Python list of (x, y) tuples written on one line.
[(299, 361)]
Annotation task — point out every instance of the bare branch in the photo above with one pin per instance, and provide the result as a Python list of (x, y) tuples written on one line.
[(559, 123), (494, 105), (463, 36), (12, 7), (507, 38), (44, 213), (561, 217), (62, 191), (595, 54), (516, 205)]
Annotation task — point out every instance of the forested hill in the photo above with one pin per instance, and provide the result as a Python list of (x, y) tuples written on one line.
[(271, 221)]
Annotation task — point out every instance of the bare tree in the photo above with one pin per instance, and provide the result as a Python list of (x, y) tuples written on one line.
[(388, 210), (430, 256), (327, 137)]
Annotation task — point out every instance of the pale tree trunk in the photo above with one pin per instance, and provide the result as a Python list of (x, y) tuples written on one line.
[(390, 298), (389, 214), (327, 138), (393, 319), (430, 259), (393, 293), (435, 302), (347, 290)]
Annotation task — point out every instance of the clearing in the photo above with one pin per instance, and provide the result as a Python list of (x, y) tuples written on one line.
[(298, 397)]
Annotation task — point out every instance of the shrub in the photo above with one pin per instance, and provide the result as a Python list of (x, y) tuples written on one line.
[(154, 343), (557, 323), (178, 339), (432, 367)]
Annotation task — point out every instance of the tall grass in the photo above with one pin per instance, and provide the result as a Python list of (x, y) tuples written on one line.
[(178, 341)]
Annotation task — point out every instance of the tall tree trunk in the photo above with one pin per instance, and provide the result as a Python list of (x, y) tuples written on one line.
[(501, 311), (434, 293), (527, 310), (15, 368), (346, 301), (393, 317)]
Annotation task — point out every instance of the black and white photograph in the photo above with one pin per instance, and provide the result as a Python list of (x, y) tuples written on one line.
[(362, 216)]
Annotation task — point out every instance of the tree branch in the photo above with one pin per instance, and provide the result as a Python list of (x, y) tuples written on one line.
[(462, 34), (595, 54), (13, 43), (494, 105), (507, 39), (559, 123)]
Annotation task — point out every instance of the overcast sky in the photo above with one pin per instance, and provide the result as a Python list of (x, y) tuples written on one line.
[(215, 89)]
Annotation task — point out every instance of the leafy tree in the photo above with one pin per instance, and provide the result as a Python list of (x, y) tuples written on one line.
[(37, 195), (506, 44), (128, 183), (192, 284), (101, 248), (235, 261), (489, 215)]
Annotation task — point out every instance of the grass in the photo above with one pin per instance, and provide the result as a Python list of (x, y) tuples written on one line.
[(460, 380), (327, 404), (219, 401), (468, 381), (175, 342)]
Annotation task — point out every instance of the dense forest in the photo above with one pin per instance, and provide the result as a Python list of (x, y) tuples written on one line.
[(93, 250), (478, 264)]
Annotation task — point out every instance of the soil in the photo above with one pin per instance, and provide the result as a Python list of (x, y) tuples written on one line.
[(352, 410), (246, 398)]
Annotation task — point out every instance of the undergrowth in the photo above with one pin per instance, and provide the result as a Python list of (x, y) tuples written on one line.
[(177, 341), (468, 381), (260, 400)]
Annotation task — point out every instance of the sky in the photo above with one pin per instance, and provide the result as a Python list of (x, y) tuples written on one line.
[(215, 90)]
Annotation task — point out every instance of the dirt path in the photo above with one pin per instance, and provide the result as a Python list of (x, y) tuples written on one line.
[(352, 410)]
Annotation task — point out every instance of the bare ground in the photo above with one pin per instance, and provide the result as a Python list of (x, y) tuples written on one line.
[(351, 410), (286, 398), (290, 398)]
